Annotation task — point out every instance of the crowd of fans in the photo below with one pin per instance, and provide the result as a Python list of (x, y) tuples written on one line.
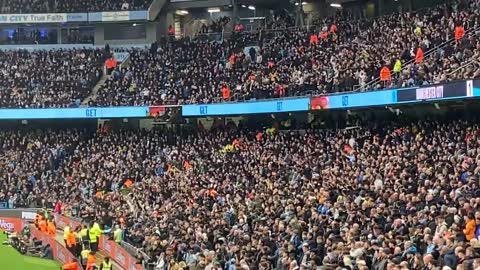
[(61, 6), (215, 26), (339, 56), (380, 196), (437, 45), (42, 79)]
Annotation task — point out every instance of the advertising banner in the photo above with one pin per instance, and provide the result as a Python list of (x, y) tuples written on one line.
[(16, 219), (109, 16), (62, 222), (109, 247), (448, 91), (118, 16), (121, 56), (75, 113), (43, 18), (253, 107), (11, 224), (435, 92), (60, 253)]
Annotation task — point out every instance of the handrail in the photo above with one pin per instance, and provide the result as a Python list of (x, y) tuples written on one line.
[(472, 61), (408, 63)]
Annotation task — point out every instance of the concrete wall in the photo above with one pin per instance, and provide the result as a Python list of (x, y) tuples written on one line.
[(152, 34)]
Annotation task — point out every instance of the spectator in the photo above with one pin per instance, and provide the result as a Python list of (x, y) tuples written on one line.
[(62, 6), (470, 226)]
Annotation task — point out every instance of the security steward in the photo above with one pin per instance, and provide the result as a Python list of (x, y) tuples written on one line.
[(73, 265), (106, 264)]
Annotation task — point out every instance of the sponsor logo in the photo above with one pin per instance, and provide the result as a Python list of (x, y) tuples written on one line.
[(6, 225), (28, 215), (108, 247), (120, 258), (61, 256)]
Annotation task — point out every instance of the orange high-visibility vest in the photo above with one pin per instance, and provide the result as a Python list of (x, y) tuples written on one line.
[(43, 225), (71, 239), (333, 28), (225, 92), (90, 261), (459, 32), (419, 56), (385, 74), (231, 59), (70, 266), (51, 230)]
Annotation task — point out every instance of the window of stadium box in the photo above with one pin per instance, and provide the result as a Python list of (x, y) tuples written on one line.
[(125, 31)]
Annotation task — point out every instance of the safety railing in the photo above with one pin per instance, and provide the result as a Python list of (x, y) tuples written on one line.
[(412, 61), (464, 65)]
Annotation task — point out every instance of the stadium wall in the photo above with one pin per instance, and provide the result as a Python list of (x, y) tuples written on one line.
[(108, 247), (16, 219)]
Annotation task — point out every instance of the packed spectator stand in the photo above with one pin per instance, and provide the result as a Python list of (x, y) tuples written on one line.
[(45, 79), (335, 56), (340, 56), (378, 196), (62, 6)]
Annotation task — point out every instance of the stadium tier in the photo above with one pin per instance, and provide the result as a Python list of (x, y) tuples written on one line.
[(249, 136), (377, 194), (437, 45), (64, 6)]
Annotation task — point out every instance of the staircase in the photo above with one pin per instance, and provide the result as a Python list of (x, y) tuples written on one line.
[(93, 94), (105, 77)]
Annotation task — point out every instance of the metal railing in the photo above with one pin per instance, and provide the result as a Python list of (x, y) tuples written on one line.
[(464, 65), (412, 61), (139, 254)]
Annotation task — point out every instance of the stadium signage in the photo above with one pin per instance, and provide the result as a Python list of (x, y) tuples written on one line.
[(436, 92), (118, 16), (75, 113), (430, 92), (253, 107), (110, 248), (5, 225), (121, 56), (43, 18), (455, 90), (111, 16)]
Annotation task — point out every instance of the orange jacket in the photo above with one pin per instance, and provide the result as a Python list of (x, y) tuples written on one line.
[(90, 261), (51, 230), (171, 30), (333, 28), (70, 266), (226, 92), (323, 35), (71, 240), (111, 63), (419, 56), (459, 32), (43, 225), (232, 59), (469, 230), (385, 74)]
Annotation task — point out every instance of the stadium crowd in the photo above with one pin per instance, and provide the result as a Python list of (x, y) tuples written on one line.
[(381, 196), (339, 56), (43, 79), (336, 57), (51, 6)]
